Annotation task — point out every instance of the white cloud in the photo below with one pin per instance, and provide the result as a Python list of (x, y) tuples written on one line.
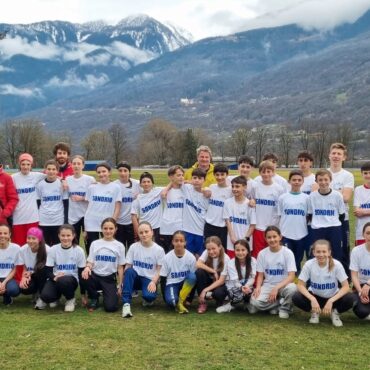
[(134, 55), (124, 64), (6, 69), (8, 89), (88, 82), (141, 77)]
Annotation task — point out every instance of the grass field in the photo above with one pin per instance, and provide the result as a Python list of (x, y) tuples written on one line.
[(158, 338)]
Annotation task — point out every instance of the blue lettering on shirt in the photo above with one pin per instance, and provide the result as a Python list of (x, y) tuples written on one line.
[(323, 286), (80, 193), (26, 190), (217, 203), (97, 198), (294, 212), (4, 266), (67, 267), (365, 272), (105, 258), (192, 205), (266, 202), (324, 212), (365, 205), (238, 220), (52, 198), (151, 206), (180, 274), (175, 205), (275, 272), (127, 199), (143, 265)]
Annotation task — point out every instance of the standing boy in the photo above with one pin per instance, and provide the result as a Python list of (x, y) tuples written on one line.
[(305, 163), (245, 167)]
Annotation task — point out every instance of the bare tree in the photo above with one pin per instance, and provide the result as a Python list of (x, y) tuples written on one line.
[(305, 133), (260, 135), (240, 141), (119, 142), (97, 145), (321, 141), (285, 145), (10, 134)]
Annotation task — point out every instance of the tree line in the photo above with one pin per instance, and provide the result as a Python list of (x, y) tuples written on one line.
[(161, 143)]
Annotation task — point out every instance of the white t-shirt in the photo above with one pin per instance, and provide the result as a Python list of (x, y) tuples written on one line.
[(67, 260), (129, 194), (292, 209), (106, 256), (342, 179), (233, 280), (360, 262), (308, 181), (145, 260), (275, 265), (148, 207), (361, 199), (172, 214), (241, 217), (51, 210), (325, 209), (195, 208), (204, 257), (323, 283), (77, 186), (278, 180), (250, 184), (28, 258), (9, 258), (266, 197), (175, 269), (214, 215), (26, 211), (102, 200)]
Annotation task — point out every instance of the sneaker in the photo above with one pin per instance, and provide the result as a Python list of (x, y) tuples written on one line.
[(202, 308), (367, 317), (283, 315), (335, 319), (40, 304), (225, 308), (70, 305), (180, 308), (126, 310), (54, 304), (315, 318), (135, 294), (93, 304), (147, 304), (251, 309), (274, 311), (7, 300)]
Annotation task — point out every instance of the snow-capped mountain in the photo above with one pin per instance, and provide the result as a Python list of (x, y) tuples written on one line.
[(41, 62)]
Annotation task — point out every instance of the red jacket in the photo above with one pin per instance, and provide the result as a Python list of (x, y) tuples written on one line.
[(66, 171), (8, 196)]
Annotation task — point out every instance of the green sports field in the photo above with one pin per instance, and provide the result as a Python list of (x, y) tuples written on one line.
[(158, 338)]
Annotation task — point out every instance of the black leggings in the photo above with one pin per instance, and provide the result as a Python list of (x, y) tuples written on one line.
[(37, 282), (50, 234), (204, 279), (65, 285), (125, 234), (79, 227), (360, 309), (91, 237), (343, 304), (108, 284)]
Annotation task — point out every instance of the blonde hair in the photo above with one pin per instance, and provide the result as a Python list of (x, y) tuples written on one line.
[(204, 148), (338, 146), (266, 165), (327, 243), (221, 258)]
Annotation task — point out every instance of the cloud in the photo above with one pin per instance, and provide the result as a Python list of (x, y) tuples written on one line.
[(71, 79), (134, 55), (141, 77), (8, 89), (6, 69)]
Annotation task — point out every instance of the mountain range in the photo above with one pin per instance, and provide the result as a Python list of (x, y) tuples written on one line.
[(266, 75)]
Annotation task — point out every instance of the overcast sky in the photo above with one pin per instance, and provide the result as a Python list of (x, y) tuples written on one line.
[(200, 17)]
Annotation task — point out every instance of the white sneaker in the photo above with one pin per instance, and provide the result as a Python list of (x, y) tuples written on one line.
[(367, 317), (274, 311), (283, 315), (251, 309), (335, 319), (147, 304), (70, 305), (40, 304), (54, 304), (225, 308), (209, 295), (315, 318), (126, 310)]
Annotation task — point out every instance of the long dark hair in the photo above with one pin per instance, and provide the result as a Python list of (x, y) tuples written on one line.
[(248, 260), (221, 258), (72, 229), (40, 256)]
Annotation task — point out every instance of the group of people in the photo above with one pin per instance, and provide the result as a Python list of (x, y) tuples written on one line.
[(233, 239)]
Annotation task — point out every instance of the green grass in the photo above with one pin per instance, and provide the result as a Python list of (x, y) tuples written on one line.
[(158, 338)]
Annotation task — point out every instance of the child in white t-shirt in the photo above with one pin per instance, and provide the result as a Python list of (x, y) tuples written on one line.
[(178, 273), (211, 272), (361, 203), (240, 218), (104, 264), (240, 276), (142, 272), (275, 277), (360, 273), (53, 203), (130, 189), (64, 265), (305, 163), (323, 295), (9, 259)]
